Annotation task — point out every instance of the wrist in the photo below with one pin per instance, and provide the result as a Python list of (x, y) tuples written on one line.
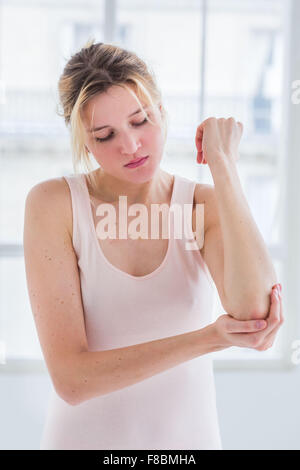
[(223, 164), (224, 171), (213, 340)]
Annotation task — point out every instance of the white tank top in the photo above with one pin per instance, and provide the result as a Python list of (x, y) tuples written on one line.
[(175, 409)]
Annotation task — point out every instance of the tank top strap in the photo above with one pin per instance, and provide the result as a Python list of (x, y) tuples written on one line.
[(79, 209), (184, 190), (182, 209)]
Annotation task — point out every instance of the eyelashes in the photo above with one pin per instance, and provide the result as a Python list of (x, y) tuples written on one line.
[(98, 139)]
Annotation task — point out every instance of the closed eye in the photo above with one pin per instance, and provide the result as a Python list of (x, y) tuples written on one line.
[(136, 124)]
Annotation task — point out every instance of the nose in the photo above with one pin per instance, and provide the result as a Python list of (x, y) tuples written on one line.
[(130, 144)]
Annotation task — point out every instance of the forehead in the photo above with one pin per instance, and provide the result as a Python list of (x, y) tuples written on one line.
[(107, 106)]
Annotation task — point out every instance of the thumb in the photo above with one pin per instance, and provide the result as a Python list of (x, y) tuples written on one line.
[(244, 326)]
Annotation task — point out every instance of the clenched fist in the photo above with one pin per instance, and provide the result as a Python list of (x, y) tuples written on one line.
[(218, 139)]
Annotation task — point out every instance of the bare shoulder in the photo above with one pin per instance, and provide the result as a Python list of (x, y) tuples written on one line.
[(53, 195), (205, 194), (53, 282)]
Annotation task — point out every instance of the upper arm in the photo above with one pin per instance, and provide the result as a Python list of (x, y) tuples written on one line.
[(53, 280), (212, 250)]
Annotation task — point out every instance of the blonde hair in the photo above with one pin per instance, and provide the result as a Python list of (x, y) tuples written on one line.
[(93, 70)]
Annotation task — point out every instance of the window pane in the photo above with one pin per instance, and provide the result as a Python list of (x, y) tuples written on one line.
[(17, 328), (243, 69), (37, 38), (244, 65), (167, 35)]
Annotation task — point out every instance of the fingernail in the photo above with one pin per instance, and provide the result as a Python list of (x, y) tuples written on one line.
[(260, 324), (277, 287), (279, 294)]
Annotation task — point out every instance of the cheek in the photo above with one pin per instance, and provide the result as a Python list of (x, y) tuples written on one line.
[(108, 162), (104, 159), (154, 138)]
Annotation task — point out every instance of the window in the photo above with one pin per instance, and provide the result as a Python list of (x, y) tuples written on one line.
[(243, 78), (36, 39), (213, 57), (221, 58)]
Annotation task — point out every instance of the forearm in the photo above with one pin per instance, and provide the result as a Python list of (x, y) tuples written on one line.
[(248, 270), (95, 373)]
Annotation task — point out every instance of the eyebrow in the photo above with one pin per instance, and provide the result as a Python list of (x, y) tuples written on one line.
[(103, 127)]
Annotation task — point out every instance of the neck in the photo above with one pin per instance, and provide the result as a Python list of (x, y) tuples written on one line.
[(109, 188)]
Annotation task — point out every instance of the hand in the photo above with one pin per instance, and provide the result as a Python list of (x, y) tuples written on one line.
[(245, 333), (218, 139)]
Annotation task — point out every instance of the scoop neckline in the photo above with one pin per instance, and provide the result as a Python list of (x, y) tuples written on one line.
[(100, 251)]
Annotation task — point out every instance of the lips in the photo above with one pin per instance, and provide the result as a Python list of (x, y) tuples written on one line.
[(136, 160)]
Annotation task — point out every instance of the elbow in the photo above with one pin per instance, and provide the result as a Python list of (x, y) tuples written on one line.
[(259, 314), (253, 305), (70, 396), (261, 306), (252, 310), (73, 400), (246, 314), (72, 393), (66, 381), (262, 300), (68, 392)]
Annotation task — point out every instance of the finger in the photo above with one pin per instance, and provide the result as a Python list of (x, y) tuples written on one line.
[(269, 333), (280, 298), (248, 326), (281, 311), (240, 125), (247, 340), (261, 339), (268, 341), (199, 137), (276, 306), (273, 331), (245, 326), (274, 310), (270, 338), (198, 141), (199, 157), (200, 131)]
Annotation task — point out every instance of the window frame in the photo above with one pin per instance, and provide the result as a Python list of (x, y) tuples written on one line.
[(290, 229)]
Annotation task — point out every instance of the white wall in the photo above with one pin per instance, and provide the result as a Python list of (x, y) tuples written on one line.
[(257, 409)]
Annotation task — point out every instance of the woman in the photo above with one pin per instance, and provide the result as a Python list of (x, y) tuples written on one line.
[(124, 322)]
